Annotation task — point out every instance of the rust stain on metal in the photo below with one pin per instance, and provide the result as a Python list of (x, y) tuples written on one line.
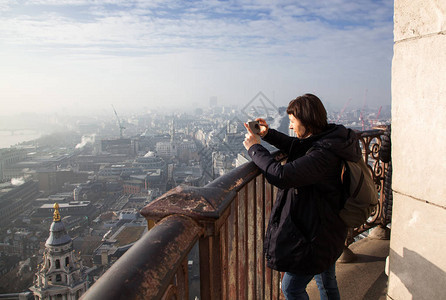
[(180, 200), (237, 183)]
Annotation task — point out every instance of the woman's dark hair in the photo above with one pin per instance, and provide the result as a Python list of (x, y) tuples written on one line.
[(310, 111)]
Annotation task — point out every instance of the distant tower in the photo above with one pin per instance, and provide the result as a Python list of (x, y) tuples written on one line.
[(60, 275), (172, 130)]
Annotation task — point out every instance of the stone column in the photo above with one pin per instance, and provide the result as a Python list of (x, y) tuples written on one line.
[(417, 261)]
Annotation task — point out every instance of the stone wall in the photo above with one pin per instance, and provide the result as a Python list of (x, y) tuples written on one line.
[(418, 239)]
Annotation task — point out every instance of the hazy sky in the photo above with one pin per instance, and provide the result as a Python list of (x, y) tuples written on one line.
[(88, 54)]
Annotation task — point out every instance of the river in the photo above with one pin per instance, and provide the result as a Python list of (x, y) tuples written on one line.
[(8, 138)]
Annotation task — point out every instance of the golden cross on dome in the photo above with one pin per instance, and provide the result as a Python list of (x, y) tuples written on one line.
[(56, 216)]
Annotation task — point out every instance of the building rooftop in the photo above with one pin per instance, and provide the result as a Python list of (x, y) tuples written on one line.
[(68, 205), (129, 235)]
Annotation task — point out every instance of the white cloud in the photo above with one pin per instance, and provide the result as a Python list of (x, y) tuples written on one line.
[(174, 26), (231, 48)]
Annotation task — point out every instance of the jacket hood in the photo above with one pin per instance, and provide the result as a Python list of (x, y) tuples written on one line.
[(341, 141)]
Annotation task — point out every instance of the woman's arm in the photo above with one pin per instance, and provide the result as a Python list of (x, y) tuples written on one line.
[(308, 169), (278, 139)]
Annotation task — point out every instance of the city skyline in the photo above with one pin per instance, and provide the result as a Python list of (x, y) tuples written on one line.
[(82, 56)]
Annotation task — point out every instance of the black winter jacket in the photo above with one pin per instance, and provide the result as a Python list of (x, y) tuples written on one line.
[(305, 234)]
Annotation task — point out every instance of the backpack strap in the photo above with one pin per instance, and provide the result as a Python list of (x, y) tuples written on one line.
[(358, 187)]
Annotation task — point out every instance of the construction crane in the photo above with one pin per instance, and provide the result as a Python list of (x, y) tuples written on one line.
[(343, 109), (373, 122), (121, 127), (361, 116)]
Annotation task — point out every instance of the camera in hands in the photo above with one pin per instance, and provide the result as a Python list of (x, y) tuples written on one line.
[(254, 126)]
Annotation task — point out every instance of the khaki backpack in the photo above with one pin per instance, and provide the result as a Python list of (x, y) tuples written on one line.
[(360, 191)]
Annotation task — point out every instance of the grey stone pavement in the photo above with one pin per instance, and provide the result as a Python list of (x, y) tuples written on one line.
[(365, 277)]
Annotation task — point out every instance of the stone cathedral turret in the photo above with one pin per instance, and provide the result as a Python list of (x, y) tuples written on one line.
[(60, 275)]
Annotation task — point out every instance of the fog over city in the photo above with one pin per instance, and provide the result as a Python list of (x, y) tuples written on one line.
[(80, 56)]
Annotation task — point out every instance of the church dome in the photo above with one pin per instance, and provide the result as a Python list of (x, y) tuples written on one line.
[(58, 233)]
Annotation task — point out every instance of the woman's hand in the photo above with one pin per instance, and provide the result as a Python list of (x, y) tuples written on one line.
[(250, 137), (263, 127)]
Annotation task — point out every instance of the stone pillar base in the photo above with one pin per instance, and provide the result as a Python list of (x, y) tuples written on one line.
[(380, 233)]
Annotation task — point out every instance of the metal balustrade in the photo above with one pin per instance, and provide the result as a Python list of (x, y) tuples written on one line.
[(228, 218)]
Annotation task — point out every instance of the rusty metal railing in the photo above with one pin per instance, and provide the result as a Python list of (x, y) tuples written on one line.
[(228, 218)]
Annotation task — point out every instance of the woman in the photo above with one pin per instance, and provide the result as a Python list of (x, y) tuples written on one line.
[(305, 234)]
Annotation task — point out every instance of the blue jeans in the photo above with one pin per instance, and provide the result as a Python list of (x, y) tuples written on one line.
[(293, 286)]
